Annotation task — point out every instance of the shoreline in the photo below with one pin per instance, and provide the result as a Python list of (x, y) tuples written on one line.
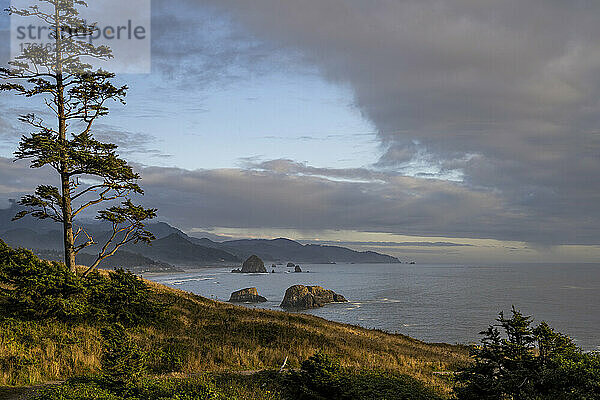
[(423, 302), (304, 312)]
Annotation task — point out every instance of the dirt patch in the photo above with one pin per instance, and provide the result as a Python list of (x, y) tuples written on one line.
[(21, 393)]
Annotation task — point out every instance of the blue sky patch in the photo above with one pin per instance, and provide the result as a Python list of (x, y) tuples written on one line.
[(4, 18)]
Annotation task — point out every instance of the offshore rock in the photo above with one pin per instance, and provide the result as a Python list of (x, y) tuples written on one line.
[(252, 265), (248, 295), (300, 297)]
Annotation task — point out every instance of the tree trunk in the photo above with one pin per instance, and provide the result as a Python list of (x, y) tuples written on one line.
[(68, 224), (67, 211)]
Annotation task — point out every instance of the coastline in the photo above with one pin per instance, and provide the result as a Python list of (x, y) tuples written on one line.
[(430, 302)]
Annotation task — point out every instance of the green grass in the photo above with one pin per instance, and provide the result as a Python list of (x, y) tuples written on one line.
[(199, 335)]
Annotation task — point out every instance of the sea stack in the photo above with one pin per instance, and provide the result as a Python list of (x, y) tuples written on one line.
[(253, 265), (297, 268), (300, 297), (248, 295)]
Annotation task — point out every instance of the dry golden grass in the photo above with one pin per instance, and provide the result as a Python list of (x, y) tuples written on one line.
[(221, 337)]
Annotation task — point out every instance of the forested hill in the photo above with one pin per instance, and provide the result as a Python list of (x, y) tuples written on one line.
[(173, 246), (288, 250)]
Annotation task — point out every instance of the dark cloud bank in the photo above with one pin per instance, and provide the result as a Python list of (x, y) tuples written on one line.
[(504, 92)]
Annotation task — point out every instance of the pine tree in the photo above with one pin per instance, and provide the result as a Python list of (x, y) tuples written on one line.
[(122, 361), (76, 96), (520, 362)]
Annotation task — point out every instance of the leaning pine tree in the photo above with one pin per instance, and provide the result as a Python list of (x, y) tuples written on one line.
[(75, 96)]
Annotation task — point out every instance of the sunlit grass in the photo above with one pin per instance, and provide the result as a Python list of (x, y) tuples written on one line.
[(218, 337)]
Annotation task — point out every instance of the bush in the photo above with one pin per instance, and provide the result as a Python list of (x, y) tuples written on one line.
[(121, 298), (36, 289), (169, 357), (518, 361), (322, 377)]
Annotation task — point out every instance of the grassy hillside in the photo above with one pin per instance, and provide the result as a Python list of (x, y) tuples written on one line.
[(201, 335)]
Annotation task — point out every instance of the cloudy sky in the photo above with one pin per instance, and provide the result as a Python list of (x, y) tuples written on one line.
[(436, 130)]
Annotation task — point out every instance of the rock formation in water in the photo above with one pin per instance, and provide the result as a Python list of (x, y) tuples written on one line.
[(291, 265), (303, 297), (297, 268), (248, 295), (252, 265)]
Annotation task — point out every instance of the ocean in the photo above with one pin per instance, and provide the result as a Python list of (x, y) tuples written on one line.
[(433, 303)]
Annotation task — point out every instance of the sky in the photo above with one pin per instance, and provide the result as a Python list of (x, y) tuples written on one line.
[(434, 130)]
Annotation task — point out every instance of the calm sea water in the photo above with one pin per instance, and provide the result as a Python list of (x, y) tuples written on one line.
[(434, 303)]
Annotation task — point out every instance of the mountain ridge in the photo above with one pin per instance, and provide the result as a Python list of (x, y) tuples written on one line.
[(283, 249), (173, 246)]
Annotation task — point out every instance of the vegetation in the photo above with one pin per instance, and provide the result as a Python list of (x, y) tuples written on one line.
[(36, 289), (33, 289), (123, 363), (183, 334), (77, 97), (196, 388), (320, 378), (115, 336), (112, 334), (528, 363)]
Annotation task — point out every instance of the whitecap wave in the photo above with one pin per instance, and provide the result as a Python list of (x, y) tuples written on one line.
[(571, 287), (182, 281), (386, 300)]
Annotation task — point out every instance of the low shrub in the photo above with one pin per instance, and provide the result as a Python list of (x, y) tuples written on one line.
[(168, 357), (311, 383), (322, 377), (198, 388), (77, 391)]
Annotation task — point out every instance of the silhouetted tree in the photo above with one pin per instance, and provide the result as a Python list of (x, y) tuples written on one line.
[(76, 96)]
